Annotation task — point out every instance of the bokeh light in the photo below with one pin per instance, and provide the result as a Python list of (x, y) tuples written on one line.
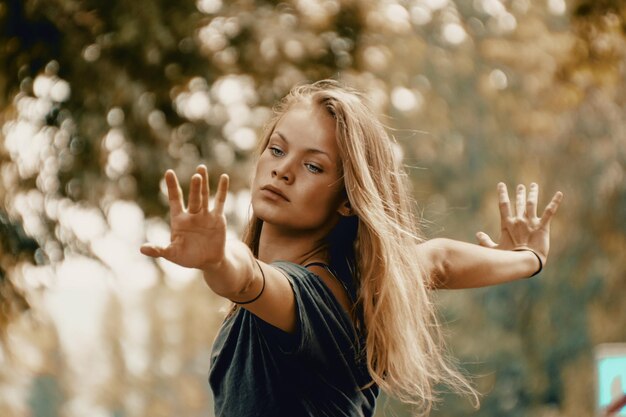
[(97, 102)]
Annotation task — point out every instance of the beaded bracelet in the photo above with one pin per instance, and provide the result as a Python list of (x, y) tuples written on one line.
[(538, 258), (262, 288)]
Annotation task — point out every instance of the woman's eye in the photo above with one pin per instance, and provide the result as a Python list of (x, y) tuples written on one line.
[(314, 169), (276, 151)]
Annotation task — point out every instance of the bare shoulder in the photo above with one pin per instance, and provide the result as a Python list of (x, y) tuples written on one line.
[(334, 285), (274, 300)]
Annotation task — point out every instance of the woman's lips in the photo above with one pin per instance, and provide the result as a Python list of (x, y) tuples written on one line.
[(273, 193)]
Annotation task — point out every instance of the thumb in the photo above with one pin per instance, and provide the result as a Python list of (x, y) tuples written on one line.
[(485, 240), (153, 251)]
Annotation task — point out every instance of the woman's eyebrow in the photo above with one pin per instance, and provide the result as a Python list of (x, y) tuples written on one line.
[(307, 150)]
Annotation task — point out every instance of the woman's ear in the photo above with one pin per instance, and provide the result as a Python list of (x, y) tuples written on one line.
[(345, 209)]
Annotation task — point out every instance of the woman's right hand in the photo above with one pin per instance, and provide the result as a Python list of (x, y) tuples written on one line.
[(198, 235)]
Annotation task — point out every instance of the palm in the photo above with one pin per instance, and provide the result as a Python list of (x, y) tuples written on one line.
[(198, 235), (524, 229), (197, 239)]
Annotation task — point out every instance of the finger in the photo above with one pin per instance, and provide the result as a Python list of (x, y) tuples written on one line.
[(533, 197), (174, 193), (195, 198), (505, 204), (551, 209), (152, 250), (520, 201), (485, 240), (204, 186), (220, 195)]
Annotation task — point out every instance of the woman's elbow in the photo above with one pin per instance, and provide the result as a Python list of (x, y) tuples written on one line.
[(436, 257)]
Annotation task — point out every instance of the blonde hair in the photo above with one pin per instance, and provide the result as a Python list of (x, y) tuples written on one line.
[(405, 352)]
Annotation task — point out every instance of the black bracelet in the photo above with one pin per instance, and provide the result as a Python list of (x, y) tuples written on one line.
[(538, 258), (262, 288)]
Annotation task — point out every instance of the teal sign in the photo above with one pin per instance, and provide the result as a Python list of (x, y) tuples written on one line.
[(611, 372)]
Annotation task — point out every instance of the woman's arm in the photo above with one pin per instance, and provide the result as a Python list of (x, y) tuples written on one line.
[(458, 265), (522, 251), (240, 277), (198, 240)]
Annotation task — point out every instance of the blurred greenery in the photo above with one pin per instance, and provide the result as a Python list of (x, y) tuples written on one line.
[(98, 99)]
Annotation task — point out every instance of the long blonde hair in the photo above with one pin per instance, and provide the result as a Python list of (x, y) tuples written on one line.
[(404, 346)]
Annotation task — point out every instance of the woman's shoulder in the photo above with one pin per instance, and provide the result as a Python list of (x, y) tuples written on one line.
[(323, 276), (334, 284)]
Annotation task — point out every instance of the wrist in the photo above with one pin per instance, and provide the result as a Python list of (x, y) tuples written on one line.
[(537, 256), (232, 274), (210, 268), (221, 277), (216, 262)]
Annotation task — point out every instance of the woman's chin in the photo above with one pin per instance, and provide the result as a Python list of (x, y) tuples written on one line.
[(264, 213)]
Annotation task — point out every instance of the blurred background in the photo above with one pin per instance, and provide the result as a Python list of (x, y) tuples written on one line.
[(98, 99)]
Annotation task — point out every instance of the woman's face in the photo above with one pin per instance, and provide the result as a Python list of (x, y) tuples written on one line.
[(298, 183)]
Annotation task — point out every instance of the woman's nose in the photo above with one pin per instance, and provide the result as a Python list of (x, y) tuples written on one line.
[(283, 172)]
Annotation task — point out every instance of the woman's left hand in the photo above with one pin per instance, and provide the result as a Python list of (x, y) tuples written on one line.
[(523, 229)]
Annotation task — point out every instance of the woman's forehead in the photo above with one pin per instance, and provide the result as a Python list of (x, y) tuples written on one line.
[(307, 122)]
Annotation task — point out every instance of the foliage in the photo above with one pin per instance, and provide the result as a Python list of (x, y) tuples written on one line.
[(98, 99)]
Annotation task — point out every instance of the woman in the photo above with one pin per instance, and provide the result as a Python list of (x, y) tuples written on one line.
[(332, 281)]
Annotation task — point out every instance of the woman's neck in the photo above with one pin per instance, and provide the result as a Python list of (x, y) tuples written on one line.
[(299, 248)]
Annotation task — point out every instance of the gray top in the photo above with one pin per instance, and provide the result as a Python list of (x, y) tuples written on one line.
[(258, 370)]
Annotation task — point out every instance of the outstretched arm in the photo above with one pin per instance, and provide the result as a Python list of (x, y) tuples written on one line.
[(198, 240), (521, 253)]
